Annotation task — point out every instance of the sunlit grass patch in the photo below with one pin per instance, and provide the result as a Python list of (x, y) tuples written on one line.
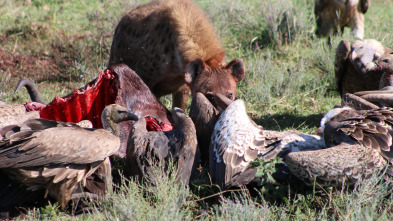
[(162, 198)]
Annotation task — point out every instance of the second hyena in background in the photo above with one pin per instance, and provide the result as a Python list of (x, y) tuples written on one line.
[(171, 44), (332, 15)]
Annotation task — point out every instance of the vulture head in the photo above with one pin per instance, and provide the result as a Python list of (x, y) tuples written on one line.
[(364, 54), (355, 65), (385, 64), (114, 114)]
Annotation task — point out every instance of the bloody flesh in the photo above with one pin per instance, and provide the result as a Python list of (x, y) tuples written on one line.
[(87, 103)]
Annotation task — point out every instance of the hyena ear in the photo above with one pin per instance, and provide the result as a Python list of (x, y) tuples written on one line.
[(238, 69), (193, 69)]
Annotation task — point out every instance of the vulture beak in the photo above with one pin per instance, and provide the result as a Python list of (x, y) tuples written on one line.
[(222, 102), (371, 66), (353, 55), (131, 116)]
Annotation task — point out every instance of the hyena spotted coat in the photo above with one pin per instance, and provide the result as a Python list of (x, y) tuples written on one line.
[(171, 44)]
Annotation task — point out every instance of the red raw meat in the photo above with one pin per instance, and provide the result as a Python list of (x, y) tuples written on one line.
[(117, 84)]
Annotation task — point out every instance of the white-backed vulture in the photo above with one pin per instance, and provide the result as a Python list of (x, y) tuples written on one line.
[(334, 15), (359, 141), (57, 157), (237, 140), (354, 65), (178, 146)]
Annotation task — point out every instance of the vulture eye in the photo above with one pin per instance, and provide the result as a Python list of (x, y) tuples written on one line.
[(230, 96), (121, 112)]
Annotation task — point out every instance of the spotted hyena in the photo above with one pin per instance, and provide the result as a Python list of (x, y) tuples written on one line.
[(332, 15), (173, 47)]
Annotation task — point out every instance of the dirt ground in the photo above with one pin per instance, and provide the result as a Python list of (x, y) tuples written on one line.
[(40, 68), (54, 70)]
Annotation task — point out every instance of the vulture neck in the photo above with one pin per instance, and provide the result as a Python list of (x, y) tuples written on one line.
[(386, 80), (110, 125)]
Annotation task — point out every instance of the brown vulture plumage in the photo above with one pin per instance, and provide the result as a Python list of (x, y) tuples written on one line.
[(376, 98), (60, 159), (359, 142), (15, 114), (178, 146), (354, 65), (204, 115), (237, 140)]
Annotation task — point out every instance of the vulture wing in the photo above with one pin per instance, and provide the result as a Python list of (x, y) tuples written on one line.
[(372, 129), (342, 53), (43, 142), (178, 145), (185, 154), (338, 165), (55, 156), (144, 148), (235, 142)]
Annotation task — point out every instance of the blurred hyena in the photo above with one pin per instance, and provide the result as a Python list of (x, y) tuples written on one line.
[(332, 15)]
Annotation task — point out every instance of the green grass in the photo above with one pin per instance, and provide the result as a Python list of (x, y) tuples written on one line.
[(289, 85)]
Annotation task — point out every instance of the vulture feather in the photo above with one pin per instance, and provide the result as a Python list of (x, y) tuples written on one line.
[(354, 65), (375, 98), (57, 157), (359, 142), (237, 140), (178, 146)]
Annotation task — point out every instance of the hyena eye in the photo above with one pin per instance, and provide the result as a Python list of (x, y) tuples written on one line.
[(386, 60), (230, 96)]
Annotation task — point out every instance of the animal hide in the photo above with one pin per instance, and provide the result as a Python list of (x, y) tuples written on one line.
[(117, 84)]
